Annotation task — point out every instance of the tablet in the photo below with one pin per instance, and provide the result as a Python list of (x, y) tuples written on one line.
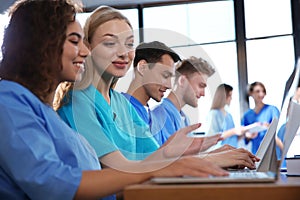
[(255, 127)]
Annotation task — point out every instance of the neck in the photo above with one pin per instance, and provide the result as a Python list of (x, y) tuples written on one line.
[(103, 84), (136, 90), (223, 110), (50, 99), (176, 100), (51, 96), (258, 106)]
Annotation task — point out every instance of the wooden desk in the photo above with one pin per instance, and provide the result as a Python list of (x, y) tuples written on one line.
[(286, 188)]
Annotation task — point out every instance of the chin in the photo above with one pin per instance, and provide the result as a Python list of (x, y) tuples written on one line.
[(194, 105), (157, 99), (120, 75)]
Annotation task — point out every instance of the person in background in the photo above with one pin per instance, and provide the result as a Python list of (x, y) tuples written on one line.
[(220, 120), (108, 116), (296, 96), (263, 113), (41, 157)]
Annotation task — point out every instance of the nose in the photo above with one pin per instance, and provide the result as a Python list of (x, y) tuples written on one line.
[(122, 51), (83, 51), (168, 83), (202, 93)]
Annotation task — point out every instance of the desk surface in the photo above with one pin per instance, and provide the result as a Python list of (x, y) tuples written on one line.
[(285, 188)]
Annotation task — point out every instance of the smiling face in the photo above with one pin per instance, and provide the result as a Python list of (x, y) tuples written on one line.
[(258, 93), (229, 98), (74, 53), (112, 48), (157, 80), (197, 83)]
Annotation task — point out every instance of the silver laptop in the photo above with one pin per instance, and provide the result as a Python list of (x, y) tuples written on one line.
[(266, 171), (268, 168)]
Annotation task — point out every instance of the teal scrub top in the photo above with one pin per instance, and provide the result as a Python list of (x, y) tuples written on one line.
[(108, 128)]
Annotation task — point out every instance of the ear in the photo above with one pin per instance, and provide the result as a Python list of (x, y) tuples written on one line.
[(182, 80), (142, 66)]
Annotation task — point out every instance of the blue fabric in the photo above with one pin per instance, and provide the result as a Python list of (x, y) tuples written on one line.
[(40, 156), (280, 135), (166, 120), (143, 113), (219, 122), (108, 127), (266, 115)]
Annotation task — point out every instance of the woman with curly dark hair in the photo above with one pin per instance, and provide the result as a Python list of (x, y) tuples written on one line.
[(40, 156)]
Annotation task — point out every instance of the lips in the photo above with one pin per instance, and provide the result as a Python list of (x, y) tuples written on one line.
[(120, 64), (162, 92), (80, 66)]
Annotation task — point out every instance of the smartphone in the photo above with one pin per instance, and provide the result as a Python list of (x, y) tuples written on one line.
[(196, 134)]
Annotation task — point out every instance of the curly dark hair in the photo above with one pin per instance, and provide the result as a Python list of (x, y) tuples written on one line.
[(33, 44)]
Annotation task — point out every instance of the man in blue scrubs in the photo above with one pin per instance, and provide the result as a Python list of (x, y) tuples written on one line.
[(154, 66), (190, 83), (152, 79)]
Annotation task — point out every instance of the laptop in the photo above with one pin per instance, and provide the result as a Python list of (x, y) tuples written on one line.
[(268, 169)]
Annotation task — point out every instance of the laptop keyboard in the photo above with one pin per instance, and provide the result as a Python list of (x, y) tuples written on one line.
[(248, 174)]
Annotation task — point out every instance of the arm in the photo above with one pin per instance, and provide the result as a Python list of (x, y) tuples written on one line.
[(239, 131), (178, 145), (101, 183)]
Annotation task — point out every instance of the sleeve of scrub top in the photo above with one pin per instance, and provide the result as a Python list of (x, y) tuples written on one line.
[(82, 117), (28, 156)]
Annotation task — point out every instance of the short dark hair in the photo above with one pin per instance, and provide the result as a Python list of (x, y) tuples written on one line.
[(152, 52), (252, 85)]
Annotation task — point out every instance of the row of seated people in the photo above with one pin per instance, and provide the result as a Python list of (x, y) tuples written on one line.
[(94, 143)]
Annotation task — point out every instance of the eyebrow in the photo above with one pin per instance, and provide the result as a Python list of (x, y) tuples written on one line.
[(75, 34), (115, 36)]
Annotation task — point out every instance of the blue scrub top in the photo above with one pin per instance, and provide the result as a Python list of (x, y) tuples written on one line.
[(107, 127), (219, 122), (140, 109), (40, 156), (266, 114), (280, 134), (166, 120)]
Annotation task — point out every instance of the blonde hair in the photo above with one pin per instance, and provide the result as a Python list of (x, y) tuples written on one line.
[(193, 65), (98, 17), (221, 94)]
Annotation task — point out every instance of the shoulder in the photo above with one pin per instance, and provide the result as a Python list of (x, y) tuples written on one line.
[(215, 112), (120, 97), (272, 108), (14, 93)]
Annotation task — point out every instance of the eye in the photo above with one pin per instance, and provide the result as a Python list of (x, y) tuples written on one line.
[(74, 39), (74, 42), (109, 43), (129, 45), (166, 75)]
